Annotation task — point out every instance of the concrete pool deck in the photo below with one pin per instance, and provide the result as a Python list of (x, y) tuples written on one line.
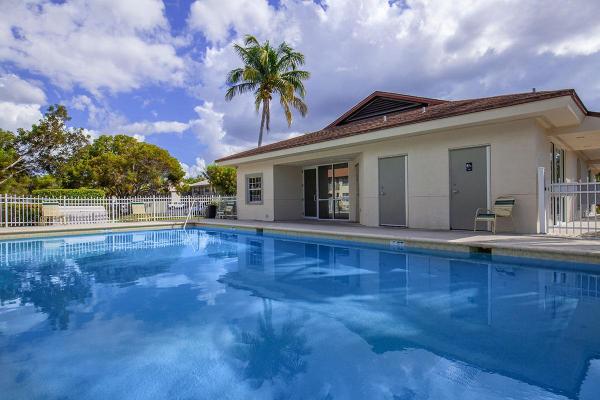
[(531, 246)]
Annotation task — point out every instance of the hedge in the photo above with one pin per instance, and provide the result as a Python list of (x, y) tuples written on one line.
[(82, 193)]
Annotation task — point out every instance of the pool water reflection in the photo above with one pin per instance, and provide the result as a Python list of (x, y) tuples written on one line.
[(203, 314)]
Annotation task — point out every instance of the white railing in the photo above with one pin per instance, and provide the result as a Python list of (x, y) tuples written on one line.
[(584, 286), (572, 209), (27, 210)]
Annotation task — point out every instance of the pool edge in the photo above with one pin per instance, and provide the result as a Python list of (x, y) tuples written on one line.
[(494, 249)]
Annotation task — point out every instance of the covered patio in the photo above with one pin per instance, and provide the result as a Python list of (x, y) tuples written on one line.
[(572, 192), (317, 189)]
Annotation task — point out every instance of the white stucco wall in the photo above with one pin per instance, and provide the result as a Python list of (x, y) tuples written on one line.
[(513, 147), (517, 148), (263, 211)]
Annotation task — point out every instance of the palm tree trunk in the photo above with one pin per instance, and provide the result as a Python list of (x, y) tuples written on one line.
[(262, 125)]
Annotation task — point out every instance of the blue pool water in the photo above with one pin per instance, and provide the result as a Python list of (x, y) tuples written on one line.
[(203, 314)]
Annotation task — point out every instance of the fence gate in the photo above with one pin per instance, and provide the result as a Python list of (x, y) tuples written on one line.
[(572, 209)]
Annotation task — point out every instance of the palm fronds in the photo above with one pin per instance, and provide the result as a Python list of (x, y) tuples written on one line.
[(266, 71)]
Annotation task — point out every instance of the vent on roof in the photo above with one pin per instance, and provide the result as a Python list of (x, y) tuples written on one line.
[(380, 106)]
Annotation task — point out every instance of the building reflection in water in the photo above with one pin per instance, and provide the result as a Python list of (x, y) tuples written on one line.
[(511, 319)]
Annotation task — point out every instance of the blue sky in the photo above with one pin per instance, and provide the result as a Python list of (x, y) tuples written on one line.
[(155, 69)]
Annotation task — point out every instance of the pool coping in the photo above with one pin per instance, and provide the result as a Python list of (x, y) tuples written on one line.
[(548, 252)]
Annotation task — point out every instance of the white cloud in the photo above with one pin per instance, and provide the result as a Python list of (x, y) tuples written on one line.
[(150, 128), (210, 132), (193, 171), (111, 44), (102, 118), (215, 18), (580, 44), (20, 91), (207, 128), (93, 134), (20, 102), (14, 116)]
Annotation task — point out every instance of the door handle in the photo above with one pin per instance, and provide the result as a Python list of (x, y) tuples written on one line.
[(454, 191)]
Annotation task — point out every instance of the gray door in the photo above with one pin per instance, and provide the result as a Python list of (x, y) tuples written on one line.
[(392, 191), (468, 185)]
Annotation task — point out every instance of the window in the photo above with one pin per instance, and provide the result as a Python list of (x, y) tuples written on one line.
[(254, 189), (254, 255)]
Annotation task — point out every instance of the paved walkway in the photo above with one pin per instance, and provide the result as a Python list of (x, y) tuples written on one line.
[(536, 246)]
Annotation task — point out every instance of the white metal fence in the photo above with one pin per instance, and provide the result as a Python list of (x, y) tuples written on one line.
[(572, 208), (27, 210)]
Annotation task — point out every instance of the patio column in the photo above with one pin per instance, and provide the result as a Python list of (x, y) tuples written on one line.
[(541, 192)]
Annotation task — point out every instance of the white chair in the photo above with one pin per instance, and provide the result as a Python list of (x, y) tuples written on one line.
[(502, 208)]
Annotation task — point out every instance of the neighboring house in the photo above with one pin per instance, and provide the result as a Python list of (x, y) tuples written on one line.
[(202, 188), (410, 161)]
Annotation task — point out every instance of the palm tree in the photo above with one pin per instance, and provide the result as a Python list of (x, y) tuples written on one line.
[(268, 352), (268, 70)]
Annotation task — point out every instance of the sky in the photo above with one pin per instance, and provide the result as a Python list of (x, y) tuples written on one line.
[(155, 69)]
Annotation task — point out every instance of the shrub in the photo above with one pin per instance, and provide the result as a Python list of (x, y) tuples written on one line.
[(224, 179), (81, 193)]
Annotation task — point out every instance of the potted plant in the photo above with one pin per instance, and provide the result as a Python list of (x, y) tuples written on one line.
[(211, 209)]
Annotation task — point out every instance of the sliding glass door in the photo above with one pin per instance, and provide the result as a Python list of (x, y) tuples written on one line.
[(332, 191), (325, 191), (341, 189)]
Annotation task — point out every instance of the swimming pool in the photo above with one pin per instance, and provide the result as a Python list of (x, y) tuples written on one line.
[(209, 314)]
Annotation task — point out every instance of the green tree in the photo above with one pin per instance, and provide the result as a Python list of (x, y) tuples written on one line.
[(123, 166), (223, 179), (11, 180), (44, 148), (267, 71)]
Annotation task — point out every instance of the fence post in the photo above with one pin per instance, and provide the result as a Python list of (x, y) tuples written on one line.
[(541, 192), (154, 208), (6, 210)]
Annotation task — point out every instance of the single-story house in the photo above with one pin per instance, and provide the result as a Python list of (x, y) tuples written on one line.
[(202, 188), (400, 160)]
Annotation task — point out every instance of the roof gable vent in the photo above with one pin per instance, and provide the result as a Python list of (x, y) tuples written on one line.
[(382, 104)]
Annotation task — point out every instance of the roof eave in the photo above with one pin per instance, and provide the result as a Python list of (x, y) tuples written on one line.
[(422, 127)]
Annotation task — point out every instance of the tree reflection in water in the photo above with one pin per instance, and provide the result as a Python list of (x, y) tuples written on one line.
[(268, 353), (50, 287), (53, 286)]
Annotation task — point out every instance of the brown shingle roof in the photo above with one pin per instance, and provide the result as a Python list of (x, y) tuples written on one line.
[(436, 111)]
